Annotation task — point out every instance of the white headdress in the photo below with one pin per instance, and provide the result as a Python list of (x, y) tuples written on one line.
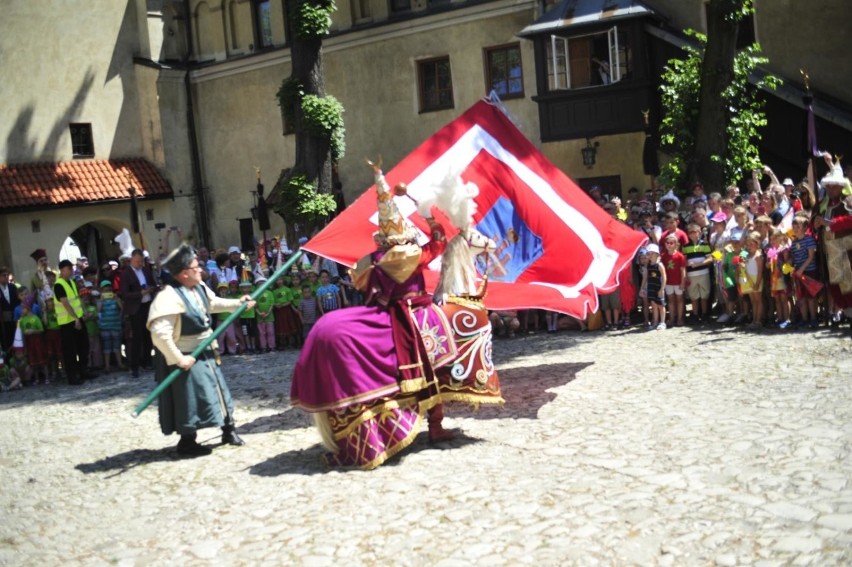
[(125, 242)]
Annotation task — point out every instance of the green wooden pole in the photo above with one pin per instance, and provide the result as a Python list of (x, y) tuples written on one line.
[(209, 340)]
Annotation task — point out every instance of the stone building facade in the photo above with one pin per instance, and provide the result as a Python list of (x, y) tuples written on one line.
[(189, 86)]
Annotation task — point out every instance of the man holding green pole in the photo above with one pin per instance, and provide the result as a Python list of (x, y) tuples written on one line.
[(179, 321)]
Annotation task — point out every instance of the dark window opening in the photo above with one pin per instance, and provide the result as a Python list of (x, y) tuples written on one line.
[(400, 6), (436, 84), (590, 60), (262, 24), (504, 73), (82, 144)]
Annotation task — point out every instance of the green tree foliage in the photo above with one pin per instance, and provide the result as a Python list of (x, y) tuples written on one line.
[(313, 19), (681, 86), (301, 203)]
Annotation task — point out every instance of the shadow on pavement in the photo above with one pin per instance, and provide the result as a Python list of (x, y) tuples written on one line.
[(123, 462), (290, 418), (298, 461), (309, 461), (525, 390)]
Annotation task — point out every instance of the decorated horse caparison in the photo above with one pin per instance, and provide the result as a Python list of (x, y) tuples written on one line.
[(371, 374)]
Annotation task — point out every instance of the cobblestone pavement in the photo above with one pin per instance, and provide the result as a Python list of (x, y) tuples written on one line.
[(679, 447)]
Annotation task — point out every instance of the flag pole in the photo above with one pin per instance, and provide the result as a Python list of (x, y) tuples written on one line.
[(813, 153), (209, 340), (135, 222)]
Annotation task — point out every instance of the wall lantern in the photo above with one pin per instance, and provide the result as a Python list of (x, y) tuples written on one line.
[(589, 153)]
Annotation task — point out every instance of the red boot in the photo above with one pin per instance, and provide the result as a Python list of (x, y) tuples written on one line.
[(437, 433)]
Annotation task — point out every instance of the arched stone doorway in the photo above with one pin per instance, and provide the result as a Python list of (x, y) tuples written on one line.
[(96, 241)]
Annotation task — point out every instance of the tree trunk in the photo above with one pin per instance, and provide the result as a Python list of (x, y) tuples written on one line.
[(717, 73), (313, 155)]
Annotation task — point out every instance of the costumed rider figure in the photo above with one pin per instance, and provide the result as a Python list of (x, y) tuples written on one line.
[(364, 371), (834, 217), (179, 321)]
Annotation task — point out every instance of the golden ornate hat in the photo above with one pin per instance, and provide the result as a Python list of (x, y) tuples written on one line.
[(394, 228)]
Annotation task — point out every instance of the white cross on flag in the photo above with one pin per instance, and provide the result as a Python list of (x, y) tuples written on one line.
[(557, 247)]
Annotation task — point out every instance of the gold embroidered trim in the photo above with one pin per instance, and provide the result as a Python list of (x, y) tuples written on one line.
[(474, 400), (470, 302), (382, 408), (411, 386), (371, 412), (339, 404), (385, 455)]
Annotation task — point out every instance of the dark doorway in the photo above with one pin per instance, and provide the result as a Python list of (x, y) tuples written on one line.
[(609, 184), (96, 242), (246, 234)]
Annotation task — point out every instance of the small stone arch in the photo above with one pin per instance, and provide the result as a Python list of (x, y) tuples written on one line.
[(209, 36), (96, 239)]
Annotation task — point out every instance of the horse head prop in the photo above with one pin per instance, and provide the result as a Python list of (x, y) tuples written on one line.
[(458, 267)]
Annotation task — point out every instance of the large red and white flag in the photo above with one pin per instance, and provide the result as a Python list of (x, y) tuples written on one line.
[(557, 247)]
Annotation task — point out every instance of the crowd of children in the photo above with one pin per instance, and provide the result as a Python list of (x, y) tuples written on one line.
[(283, 315), (281, 319), (723, 258), (751, 260)]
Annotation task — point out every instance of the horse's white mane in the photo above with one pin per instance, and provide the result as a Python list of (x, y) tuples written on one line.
[(458, 274), (454, 197)]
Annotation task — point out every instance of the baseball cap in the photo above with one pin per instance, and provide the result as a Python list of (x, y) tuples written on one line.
[(105, 283), (65, 264), (652, 248), (234, 250), (719, 217), (788, 181)]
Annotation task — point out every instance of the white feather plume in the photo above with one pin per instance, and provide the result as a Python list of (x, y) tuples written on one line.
[(125, 242), (454, 197)]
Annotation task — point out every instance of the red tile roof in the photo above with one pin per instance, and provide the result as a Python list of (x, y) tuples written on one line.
[(79, 182)]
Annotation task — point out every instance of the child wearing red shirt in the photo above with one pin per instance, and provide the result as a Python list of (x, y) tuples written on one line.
[(675, 265)]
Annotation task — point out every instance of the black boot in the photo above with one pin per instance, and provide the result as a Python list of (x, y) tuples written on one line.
[(230, 437), (188, 447)]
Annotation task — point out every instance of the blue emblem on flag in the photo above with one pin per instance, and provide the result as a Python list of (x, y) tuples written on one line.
[(517, 246)]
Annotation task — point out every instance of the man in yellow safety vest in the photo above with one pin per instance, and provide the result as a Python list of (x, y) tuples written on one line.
[(69, 315)]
